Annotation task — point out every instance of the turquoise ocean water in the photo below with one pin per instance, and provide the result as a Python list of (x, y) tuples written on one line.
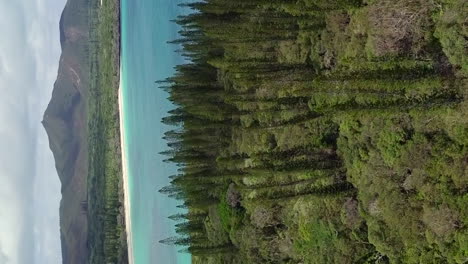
[(146, 57)]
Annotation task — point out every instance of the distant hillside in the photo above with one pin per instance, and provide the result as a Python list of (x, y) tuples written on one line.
[(66, 125)]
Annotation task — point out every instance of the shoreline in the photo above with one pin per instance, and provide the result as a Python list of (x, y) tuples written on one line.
[(128, 223), (125, 179)]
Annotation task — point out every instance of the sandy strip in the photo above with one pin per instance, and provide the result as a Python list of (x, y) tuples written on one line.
[(128, 222)]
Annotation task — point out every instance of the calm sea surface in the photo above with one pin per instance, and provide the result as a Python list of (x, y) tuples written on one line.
[(146, 57)]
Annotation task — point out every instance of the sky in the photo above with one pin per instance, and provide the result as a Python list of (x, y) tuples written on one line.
[(29, 185)]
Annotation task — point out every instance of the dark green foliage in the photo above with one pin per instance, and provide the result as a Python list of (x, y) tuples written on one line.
[(107, 240), (321, 132)]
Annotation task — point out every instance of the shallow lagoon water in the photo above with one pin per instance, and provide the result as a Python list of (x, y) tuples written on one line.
[(146, 58)]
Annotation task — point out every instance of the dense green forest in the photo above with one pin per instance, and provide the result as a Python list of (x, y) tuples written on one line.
[(321, 131), (107, 239)]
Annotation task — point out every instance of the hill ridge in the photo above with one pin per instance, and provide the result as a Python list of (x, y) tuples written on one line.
[(66, 126)]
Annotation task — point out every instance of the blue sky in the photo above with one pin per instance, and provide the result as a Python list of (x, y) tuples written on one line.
[(29, 185)]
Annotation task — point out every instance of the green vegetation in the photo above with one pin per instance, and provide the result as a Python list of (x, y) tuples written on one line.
[(321, 132), (106, 235)]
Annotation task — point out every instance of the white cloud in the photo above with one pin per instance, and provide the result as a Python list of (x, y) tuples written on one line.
[(3, 257), (30, 189)]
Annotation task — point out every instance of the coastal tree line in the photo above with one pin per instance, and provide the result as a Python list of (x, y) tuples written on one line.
[(107, 239)]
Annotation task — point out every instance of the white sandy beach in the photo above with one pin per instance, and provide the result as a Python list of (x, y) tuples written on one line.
[(128, 219)]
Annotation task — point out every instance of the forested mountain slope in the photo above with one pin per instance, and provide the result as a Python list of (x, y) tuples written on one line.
[(66, 125), (322, 131)]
